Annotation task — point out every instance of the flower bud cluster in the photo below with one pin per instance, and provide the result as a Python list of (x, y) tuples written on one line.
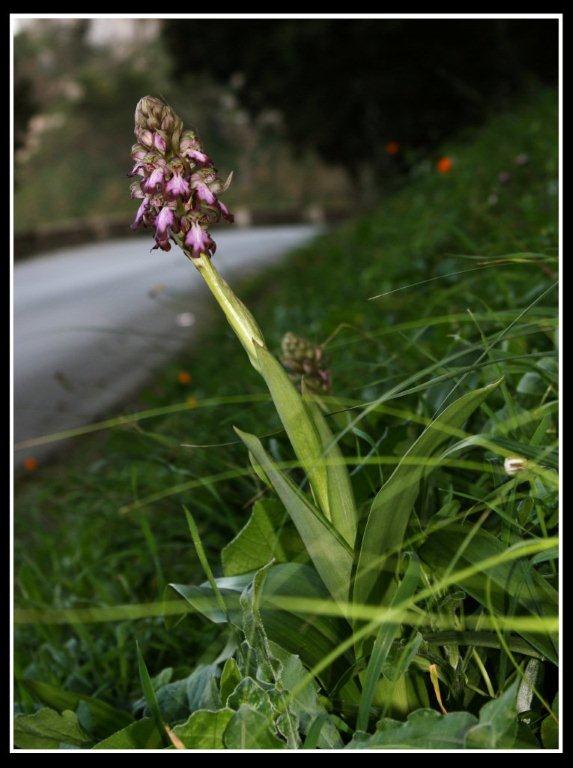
[(513, 465), (177, 185), (301, 359)]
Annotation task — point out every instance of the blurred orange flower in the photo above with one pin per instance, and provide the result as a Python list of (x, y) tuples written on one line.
[(30, 463), (184, 377), (444, 165), (392, 148)]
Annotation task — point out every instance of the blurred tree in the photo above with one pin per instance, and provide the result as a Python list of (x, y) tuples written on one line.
[(74, 154), (348, 87), (25, 106)]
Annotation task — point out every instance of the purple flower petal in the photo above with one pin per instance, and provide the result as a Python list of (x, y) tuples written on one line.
[(202, 191), (140, 213), (199, 157), (154, 181), (225, 211), (145, 137), (164, 222), (160, 143), (199, 241), (177, 186)]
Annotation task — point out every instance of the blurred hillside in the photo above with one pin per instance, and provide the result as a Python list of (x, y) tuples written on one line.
[(373, 95), (304, 112), (76, 86)]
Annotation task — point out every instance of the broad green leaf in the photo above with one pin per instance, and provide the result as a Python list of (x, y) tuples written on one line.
[(516, 579), (254, 632), (262, 539), (249, 729), (531, 383), (201, 687), (230, 678), (204, 729), (392, 506), (104, 718), (550, 727), (400, 657), (383, 642), (497, 727), (330, 554), (310, 636), (525, 737), (196, 691), (248, 691), (203, 600), (48, 729), (397, 698), (304, 701), (342, 506), (162, 678), (299, 426), (424, 729), (142, 734), (270, 701), (172, 701)]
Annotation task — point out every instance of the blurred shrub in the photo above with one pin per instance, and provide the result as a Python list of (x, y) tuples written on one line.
[(73, 146), (349, 87)]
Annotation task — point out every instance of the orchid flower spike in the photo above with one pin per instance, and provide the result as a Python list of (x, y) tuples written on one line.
[(177, 185)]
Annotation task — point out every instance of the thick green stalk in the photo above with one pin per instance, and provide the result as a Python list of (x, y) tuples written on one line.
[(301, 430), (237, 314)]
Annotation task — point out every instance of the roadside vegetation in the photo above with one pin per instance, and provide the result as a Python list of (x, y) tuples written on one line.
[(66, 85), (445, 294)]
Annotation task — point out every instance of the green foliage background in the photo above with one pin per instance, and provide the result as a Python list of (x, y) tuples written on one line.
[(106, 527)]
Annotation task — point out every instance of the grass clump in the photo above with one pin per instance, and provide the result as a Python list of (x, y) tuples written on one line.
[(437, 315)]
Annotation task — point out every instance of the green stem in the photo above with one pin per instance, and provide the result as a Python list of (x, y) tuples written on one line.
[(237, 314)]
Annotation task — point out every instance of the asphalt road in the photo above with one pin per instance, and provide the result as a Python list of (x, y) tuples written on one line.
[(91, 323)]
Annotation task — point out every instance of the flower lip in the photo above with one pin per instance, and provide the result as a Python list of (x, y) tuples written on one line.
[(145, 137), (159, 142), (225, 212), (141, 211), (199, 241), (164, 222), (199, 157), (154, 181), (201, 190), (177, 186)]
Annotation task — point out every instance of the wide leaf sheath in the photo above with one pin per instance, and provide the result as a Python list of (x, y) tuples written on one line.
[(330, 554), (392, 506)]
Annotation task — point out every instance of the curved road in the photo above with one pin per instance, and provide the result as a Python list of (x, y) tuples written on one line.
[(92, 322)]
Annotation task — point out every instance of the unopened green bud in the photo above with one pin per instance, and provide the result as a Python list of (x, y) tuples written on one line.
[(302, 358), (156, 124), (514, 464), (149, 113)]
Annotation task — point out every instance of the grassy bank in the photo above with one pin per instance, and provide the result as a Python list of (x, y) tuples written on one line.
[(452, 277)]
